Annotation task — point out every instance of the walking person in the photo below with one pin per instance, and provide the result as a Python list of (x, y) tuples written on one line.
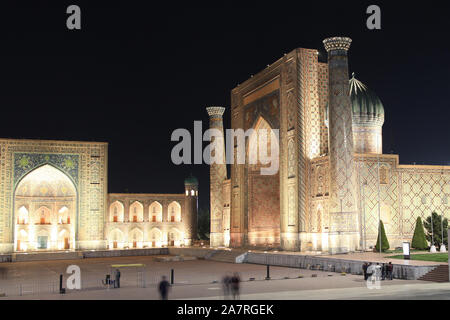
[(226, 286), (117, 282), (235, 285), (163, 288), (364, 267), (383, 271)]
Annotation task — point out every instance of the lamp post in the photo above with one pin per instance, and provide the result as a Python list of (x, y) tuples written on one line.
[(379, 205), (364, 214), (362, 202), (433, 247), (442, 248)]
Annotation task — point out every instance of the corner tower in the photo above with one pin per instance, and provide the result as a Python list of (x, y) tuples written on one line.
[(343, 235), (218, 174), (191, 205)]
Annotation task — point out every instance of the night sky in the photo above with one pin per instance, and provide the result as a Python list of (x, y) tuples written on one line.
[(136, 71)]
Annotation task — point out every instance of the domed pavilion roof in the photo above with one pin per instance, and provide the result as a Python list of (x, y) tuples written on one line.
[(191, 180), (367, 108)]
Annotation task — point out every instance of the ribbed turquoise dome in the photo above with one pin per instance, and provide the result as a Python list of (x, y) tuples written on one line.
[(367, 108), (191, 180)]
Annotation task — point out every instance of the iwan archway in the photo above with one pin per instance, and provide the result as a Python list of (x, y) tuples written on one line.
[(263, 190), (45, 211)]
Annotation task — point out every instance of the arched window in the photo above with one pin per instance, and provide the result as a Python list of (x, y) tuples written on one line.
[(137, 210), (174, 212), (43, 216), (155, 237), (156, 212), (22, 217), (116, 211), (63, 215)]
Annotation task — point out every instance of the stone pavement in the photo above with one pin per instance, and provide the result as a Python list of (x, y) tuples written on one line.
[(416, 291), (258, 289), (195, 278)]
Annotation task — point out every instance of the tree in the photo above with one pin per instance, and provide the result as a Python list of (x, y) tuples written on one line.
[(203, 222), (436, 231), (384, 240), (419, 241)]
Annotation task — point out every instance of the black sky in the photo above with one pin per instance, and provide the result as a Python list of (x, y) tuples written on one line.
[(139, 70)]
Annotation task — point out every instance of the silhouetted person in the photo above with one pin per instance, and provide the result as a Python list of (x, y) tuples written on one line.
[(235, 283), (364, 267), (383, 271), (369, 271), (226, 286), (117, 282), (164, 288), (390, 270)]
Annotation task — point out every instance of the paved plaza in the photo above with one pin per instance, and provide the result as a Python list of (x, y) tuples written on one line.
[(194, 279)]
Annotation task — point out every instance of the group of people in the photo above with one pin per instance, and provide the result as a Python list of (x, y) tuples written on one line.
[(385, 270), (231, 285)]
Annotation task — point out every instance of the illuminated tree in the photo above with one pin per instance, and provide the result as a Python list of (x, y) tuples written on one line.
[(384, 240), (419, 241)]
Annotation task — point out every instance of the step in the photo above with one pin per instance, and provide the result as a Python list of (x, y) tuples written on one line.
[(439, 274)]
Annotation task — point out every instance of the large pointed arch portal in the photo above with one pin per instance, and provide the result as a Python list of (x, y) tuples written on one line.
[(45, 211), (263, 196)]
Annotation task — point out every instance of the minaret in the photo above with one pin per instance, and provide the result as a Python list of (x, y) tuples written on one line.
[(343, 235), (191, 209), (218, 174)]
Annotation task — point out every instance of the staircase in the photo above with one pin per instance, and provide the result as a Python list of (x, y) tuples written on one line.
[(439, 274), (226, 255)]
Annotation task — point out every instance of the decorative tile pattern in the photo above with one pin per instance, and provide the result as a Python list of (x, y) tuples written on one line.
[(218, 174), (25, 162), (342, 174), (19, 157)]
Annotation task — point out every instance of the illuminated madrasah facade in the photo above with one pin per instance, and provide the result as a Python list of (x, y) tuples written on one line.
[(333, 184), (53, 196)]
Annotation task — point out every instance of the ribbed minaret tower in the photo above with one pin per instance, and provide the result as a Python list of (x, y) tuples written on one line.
[(343, 233), (218, 174)]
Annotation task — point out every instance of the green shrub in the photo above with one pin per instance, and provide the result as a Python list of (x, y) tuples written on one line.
[(419, 241), (384, 240)]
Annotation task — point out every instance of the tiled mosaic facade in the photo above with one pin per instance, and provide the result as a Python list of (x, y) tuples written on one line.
[(53, 196), (319, 167), (151, 220), (84, 162)]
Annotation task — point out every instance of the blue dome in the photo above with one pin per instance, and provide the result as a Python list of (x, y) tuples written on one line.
[(367, 108)]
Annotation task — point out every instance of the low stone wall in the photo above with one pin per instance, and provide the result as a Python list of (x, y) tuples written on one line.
[(202, 253), (40, 256), (5, 258), (125, 253), (73, 255), (332, 265)]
